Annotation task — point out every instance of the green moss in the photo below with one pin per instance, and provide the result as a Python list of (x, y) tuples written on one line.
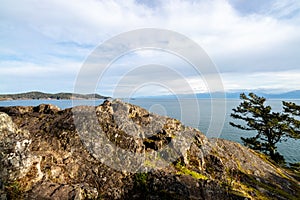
[(239, 193), (100, 197), (13, 189), (183, 170), (253, 183), (141, 179), (264, 157), (149, 163), (234, 186), (252, 186), (247, 191), (281, 174), (276, 190)]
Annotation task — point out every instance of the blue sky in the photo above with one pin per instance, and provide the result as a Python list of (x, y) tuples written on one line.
[(255, 44)]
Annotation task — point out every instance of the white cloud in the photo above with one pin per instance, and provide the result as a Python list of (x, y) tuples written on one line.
[(284, 8), (279, 81), (44, 37)]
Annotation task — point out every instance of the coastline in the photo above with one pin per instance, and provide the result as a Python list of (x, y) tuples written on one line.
[(35, 95), (16, 99)]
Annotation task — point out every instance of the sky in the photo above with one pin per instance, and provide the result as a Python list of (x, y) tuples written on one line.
[(254, 44)]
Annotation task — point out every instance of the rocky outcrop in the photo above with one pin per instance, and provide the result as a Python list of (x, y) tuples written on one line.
[(120, 151)]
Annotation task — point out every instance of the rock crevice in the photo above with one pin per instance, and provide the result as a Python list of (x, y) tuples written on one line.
[(121, 151)]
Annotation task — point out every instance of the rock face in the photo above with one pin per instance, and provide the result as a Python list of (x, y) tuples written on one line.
[(121, 151)]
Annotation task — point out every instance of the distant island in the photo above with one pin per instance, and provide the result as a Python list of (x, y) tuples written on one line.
[(57, 96)]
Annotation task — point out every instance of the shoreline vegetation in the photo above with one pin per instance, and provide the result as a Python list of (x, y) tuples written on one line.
[(57, 96)]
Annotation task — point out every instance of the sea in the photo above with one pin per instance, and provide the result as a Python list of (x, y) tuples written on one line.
[(210, 116)]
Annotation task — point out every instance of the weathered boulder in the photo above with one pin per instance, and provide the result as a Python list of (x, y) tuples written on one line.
[(121, 151)]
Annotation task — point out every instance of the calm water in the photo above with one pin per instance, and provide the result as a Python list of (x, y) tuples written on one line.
[(186, 111)]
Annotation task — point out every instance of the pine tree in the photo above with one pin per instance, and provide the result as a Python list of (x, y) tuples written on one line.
[(271, 127), (293, 111)]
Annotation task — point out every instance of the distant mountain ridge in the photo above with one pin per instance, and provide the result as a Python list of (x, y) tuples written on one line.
[(231, 95), (287, 95), (41, 95)]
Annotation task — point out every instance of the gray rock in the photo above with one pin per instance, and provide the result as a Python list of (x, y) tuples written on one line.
[(121, 151)]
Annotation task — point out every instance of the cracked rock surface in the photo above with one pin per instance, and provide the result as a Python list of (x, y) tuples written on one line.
[(121, 151)]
